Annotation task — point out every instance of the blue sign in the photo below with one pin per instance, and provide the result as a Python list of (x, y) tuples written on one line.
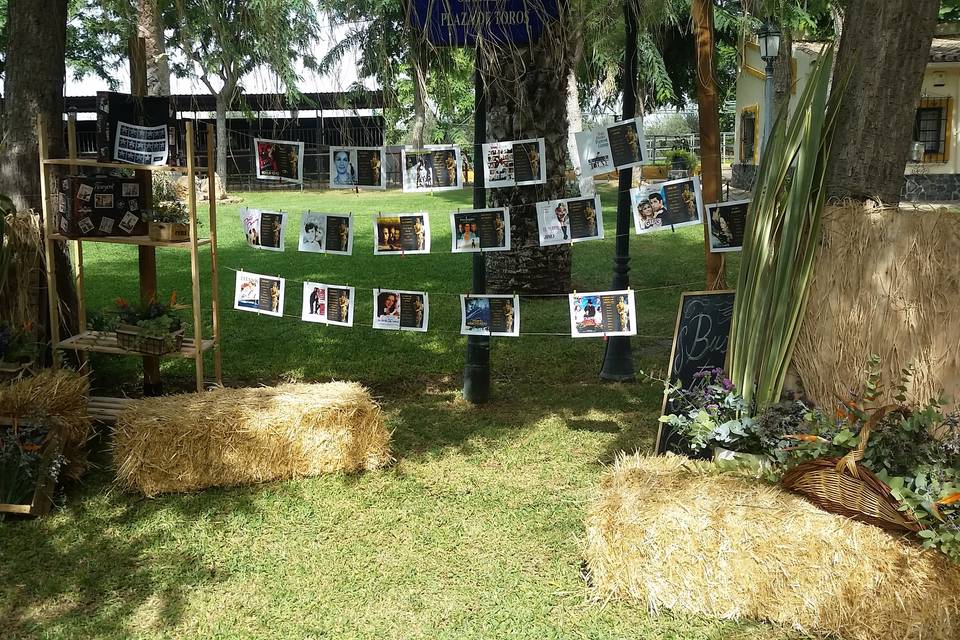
[(459, 22)]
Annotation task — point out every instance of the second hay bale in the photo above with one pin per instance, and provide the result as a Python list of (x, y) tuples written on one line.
[(230, 437)]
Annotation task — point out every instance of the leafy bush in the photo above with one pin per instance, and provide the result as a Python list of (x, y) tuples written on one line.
[(154, 318), (688, 156)]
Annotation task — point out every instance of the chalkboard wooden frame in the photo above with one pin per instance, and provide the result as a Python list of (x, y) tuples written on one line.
[(659, 444)]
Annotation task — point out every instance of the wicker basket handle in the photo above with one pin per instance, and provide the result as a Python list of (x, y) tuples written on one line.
[(849, 461)]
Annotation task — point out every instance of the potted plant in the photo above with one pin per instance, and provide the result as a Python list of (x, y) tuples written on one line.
[(714, 419), (18, 350), (30, 462), (682, 160), (153, 328), (169, 221)]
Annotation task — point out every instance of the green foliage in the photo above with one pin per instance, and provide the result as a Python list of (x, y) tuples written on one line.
[(689, 157), (157, 320), (17, 345), (25, 461), (781, 240)]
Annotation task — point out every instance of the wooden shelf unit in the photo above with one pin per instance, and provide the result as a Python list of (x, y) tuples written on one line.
[(104, 342)]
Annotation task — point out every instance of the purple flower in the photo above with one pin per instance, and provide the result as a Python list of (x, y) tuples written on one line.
[(727, 384)]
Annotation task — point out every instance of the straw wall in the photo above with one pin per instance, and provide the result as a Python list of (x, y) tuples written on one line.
[(231, 437), (671, 537), (885, 282)]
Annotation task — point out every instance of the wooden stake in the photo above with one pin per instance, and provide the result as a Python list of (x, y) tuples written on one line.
[(214, 278), (48, 246), (710, 174), (194, 258)]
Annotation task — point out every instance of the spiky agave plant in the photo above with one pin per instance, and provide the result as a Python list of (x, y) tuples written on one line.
[(780, 242)]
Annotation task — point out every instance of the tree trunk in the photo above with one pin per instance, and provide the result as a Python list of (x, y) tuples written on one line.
[(150, 28), (418, 73), (526, 98), (783, 75), (883, 51), (222, 137), (33, 85), (575, 123)]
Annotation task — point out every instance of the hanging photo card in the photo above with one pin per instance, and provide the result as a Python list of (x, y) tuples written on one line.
[(675, 203), (604, 313), (327, 304), (593, 152), (569, 220), (140, 145), (432, 169), (400, 310), (278, 160), (402, 233), (480, 230), (626, 143), (352, 167), (259, 294), (490, 315), (515, 163), (326, 233), (264, 229), (728, 222)]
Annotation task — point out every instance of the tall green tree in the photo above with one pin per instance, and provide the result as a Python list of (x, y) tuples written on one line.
[(223, 40)]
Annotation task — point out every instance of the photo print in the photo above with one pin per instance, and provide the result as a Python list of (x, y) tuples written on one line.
[(140, 145), (604, 313), (400, 310), (519, 162), (259, 294), (432, 169), (326, 233), (626, 143), (569, 220), (671, 204), (264, 229), (278, 160), (357, 167), (327, 304), (490, 315), (593, 151), (480, 230), (402, 233), (728, 222)]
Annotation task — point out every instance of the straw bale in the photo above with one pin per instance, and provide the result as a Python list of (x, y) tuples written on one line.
[(673, 534), (885, 282), (60, 398), (228, 437), (21, 291)]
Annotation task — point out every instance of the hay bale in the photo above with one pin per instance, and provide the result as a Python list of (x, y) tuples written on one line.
[(230, 437), (673, 534), (60, 398), (885, 282)]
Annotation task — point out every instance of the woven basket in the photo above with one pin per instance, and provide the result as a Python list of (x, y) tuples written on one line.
[(131, 338), (846, 487)]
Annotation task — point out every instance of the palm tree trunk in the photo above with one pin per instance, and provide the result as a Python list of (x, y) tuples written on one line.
[(527, 98), (783, 74)]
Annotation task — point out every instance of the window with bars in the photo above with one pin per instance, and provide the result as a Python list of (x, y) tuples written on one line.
[(931, 128), (748, 135)]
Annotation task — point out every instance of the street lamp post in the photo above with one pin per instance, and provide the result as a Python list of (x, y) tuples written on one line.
[(768, 37)]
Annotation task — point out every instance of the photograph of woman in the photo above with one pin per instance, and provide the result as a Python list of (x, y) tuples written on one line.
[(343, 172)]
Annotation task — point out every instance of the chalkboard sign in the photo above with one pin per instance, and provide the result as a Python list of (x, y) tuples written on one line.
[(699, 343)]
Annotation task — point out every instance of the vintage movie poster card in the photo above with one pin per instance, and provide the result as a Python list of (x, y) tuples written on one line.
[(280, 160), (569, 220), (728, 222), (626, 143), (676, 203), (498, 165), (314, 305), (343, 167), (326, 233), (402, 233), (340, 301), (140, 145), (259, 294), (264, 229), (431, 169), (593, 152), (400, 310), (352, 167), (490, 315), (604, 313), (480, 230), (529, 162)]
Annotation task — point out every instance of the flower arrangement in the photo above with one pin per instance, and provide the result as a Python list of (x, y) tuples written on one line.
[(24, 461), (154, 319), (17, 346)]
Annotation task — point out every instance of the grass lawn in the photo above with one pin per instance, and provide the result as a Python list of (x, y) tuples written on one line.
[(474, 533)]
